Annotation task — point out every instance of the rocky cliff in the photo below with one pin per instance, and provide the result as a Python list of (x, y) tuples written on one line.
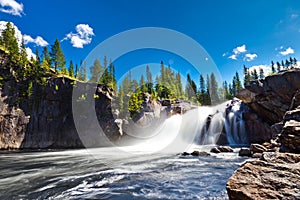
[(268, 99), (276, 100), (45, 120)]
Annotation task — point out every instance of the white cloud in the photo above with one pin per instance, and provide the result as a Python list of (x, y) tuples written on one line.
[(233, 57), (287, 51), (237, 51), (82, 36), (11, 7), (250, 57), (240, 49), (30, 53), (39, 41), (267, 69)]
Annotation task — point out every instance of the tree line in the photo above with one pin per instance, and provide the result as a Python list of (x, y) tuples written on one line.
[(168, 84)]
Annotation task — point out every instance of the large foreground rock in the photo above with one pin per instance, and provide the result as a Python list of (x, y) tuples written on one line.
[(273, 176)]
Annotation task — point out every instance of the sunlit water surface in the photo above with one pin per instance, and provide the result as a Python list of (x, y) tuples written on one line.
[(78, 174)]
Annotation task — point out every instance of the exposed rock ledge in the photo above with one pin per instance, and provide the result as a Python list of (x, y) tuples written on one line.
[(273, 176)]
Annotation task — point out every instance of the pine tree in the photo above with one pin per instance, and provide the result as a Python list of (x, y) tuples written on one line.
[(57, 57), (238, 81), (201, 93), (282, 64), (143, 84), (233, 90), (247, 77), (9, 41), (149, 80), (96, 71), (214, 89), (291, 60), (261, 73), (207, 96), (287, 63), (278, 66), (191, 88), (295, 61), (46, 57), (23, 54), (112, 73), (76, 70), (273, 68), (71, 69), (82, 73), (179, 85), (148, 74), (162, 72), (37, 56), (254, 75)]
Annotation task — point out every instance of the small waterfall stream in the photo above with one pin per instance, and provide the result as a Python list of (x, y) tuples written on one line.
[(224, 120)]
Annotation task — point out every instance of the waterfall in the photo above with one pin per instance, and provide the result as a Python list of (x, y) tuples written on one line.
[(201, 126)]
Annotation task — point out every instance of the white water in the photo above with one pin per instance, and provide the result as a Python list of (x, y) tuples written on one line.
[(181, 133)]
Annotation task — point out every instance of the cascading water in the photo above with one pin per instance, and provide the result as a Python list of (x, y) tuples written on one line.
[(226, 119), (201, 126)]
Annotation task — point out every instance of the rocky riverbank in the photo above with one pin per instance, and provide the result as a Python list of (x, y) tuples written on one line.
[(275, 174)]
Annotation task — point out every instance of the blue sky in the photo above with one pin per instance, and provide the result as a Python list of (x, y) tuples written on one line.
[(233, 32)]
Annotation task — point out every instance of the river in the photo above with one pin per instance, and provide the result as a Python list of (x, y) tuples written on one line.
[(79, 174)]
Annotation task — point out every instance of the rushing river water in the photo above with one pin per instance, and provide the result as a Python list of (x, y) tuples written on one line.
[(78, 174)]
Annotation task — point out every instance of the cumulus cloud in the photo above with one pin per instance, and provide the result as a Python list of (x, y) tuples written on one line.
[(238, 50), (233, 57), (11, 7), (83, 36), (39, 41), (250, 57), (266, 68), (287, 51)]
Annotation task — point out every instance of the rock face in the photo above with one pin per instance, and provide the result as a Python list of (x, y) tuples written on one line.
[(51, 122), (271, 97), (290, 135), (273, 176), (13, 124)]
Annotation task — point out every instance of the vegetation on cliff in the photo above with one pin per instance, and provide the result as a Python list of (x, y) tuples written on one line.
[(168, 84)]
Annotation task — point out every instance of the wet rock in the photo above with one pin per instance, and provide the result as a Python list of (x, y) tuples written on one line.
[(257, 148), (185, 154), (221, 149), (200, 153), (273, 176), (245, 152)]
